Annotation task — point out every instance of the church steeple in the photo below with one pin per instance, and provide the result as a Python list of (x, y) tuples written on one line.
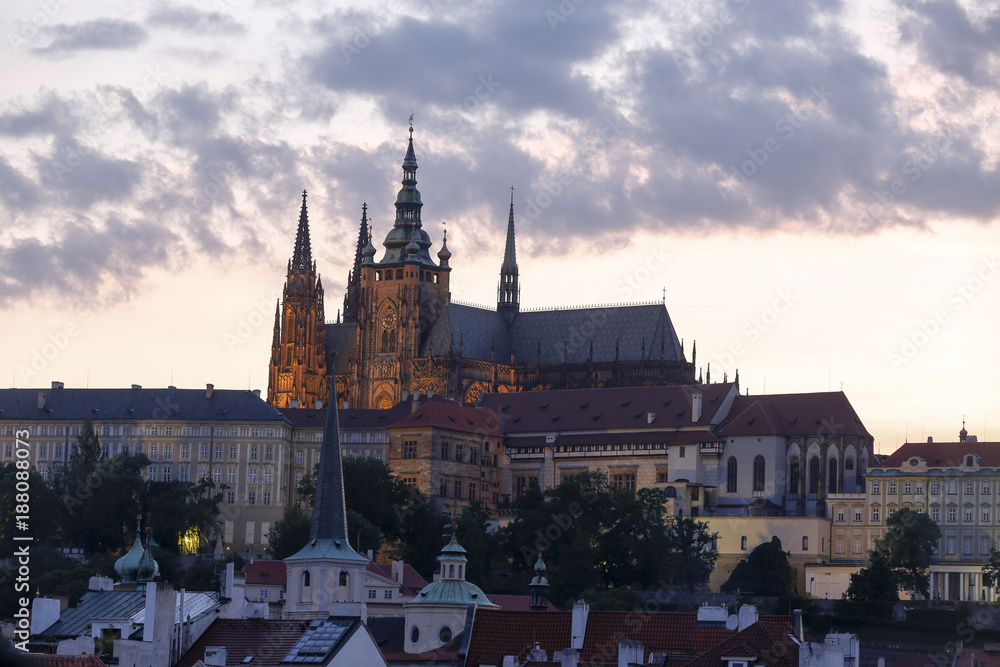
[(407, 241), (352, 300), (508, 292), (302, 256), (329, 519)]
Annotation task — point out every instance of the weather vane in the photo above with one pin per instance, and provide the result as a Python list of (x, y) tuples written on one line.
[(411, 121)]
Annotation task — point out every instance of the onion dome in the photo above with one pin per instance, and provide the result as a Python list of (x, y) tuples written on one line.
[(444, 254), (149, 569), (127, 567)]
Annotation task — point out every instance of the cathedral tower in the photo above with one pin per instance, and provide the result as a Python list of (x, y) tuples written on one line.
[(401, 297), (297, 374), (508, 292)]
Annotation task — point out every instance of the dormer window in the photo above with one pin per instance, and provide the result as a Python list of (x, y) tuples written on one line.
[(969, 461)]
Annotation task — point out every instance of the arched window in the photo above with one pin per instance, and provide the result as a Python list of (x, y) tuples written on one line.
[(399, 274), (793, 476), (743, 543), (451, 571), (831, 487), (814, 476), (343, 578), (378, 276), (758, 474), (731, 475), (305, 579)]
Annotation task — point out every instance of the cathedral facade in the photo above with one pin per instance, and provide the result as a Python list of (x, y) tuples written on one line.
[(401, 334)]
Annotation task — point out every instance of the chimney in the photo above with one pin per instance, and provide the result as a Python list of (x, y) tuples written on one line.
[(930, 440), (406, 394), (797, 625), (215, 656), (209, 390), (630, 653), (397, 571), (41, 400), (137, 386), (747, 616), (695, 408), (57, 385), (581, 610), (568, 657), (537, 654), (347, 405)]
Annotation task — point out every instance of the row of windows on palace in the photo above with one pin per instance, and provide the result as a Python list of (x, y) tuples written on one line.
[(917, 488), (139, 430), (411, 451)]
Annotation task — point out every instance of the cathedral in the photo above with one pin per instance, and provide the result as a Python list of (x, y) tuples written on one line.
[(401, 334)]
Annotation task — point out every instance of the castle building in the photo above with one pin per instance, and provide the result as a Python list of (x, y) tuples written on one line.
[(401, 333)]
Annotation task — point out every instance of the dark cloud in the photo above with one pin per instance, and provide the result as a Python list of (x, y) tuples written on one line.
[(950, 41), (78, 176), (80, 255), (17, 191), (97, 35), (194, 20), (51, 115)]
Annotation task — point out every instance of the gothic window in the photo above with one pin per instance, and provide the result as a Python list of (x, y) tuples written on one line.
[(388, 341), (793, 476), (814, 476), (758, 474), (832, 486), (731, 475)]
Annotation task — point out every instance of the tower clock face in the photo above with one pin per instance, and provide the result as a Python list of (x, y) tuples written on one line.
[(389, 319)]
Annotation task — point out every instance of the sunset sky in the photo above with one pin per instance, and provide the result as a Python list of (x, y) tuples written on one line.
[(812, 186)]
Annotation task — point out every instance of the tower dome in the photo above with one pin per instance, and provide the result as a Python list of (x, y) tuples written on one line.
[(127, 567)]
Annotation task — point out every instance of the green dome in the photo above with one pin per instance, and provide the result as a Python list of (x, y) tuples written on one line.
[(127, 566), (452, 591)]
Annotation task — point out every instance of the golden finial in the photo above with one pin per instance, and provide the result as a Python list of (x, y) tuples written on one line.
[(411, 122)]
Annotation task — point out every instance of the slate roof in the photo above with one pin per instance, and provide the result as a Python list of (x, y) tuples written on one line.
[(452, 416), (266, 572), (942, 454), (559, 335), (387, 631), (609, 408), (268, 641), (760, 640), (96, 604), (818, 413), (340, 338), (349, 418), (196, 605), (133, 404)]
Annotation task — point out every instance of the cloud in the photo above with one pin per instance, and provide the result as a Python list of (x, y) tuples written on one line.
[(81, 255), (96, 35), (194, 20), (949, 40)]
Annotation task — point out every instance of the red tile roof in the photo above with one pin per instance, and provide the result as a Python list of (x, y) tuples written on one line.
[(413, 583), (606, 408), (498, 632), (454, 417), (268, 641), (46, 660), (762, 639), (943, 454), (265, 572), (818, 413)]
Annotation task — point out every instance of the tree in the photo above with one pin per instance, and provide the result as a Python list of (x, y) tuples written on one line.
[(634, 547), (612, 599), (289, 533), (875, 582), (692, 557), (183, 515), (766, 571), (481, 546), (907, 547), (991, 570)]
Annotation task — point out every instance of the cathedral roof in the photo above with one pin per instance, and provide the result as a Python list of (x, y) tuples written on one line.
[(816, 413), (135, 404)]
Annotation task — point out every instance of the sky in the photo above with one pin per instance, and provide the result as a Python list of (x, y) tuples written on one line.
[(812, 187)]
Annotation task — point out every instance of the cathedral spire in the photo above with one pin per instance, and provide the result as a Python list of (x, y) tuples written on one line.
[(352, 299), (407, 241), (508, 292), (302, 257)]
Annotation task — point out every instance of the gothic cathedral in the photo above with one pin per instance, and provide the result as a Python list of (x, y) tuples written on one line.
[(401, 334)]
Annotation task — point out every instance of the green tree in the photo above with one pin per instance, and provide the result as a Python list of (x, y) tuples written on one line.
[(362, 533), (991, 570), (422, 537), (692, 557), (907, 547), (42, 502), (177, 511), (766, 571), (877, 581), (289, 533), (612, 599), (480, 544)]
